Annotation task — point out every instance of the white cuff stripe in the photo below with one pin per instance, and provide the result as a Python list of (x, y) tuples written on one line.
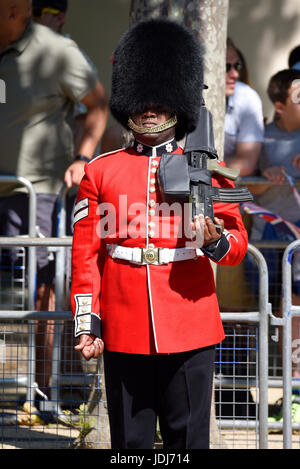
[(229, 235)]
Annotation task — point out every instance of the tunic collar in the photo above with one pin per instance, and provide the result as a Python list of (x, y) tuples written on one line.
[(166, 147)]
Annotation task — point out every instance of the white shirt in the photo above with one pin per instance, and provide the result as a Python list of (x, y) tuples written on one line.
[(244, 118)]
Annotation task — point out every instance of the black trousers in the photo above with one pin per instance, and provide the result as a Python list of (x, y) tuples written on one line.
[(176, 388)]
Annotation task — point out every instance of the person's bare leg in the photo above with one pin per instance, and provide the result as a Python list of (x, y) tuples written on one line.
[(44, 337), (44, 342)]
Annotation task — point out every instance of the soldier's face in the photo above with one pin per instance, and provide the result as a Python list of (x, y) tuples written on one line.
[(151, 118)]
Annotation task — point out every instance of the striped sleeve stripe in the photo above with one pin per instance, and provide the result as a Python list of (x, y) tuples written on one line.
[(81, 210), (80, 215), (83, 203)]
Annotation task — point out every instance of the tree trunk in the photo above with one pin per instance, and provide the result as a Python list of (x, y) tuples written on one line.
[(208, 20), (213, 33), (96, 414)]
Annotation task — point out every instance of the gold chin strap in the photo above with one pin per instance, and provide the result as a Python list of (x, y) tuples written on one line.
[(155, 129)]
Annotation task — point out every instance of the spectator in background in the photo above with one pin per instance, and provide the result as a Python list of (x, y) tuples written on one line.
[(53, 14), (281, 154), (45, 75), (244, 126)]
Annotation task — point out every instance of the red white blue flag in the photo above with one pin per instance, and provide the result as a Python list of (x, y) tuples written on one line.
[(280, 223)]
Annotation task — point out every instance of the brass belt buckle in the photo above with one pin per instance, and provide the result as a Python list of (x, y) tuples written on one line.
[(150, 255)]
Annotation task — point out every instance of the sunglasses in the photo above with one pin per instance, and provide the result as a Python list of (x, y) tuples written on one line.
[(40, 12), (237, 66)]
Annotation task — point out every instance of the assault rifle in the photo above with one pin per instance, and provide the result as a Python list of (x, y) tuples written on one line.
[(189, 176)]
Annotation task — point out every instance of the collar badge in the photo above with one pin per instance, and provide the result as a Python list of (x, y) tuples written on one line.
[(169, 147)]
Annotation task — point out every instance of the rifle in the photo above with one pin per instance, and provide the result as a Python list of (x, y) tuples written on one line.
[(190, 175)]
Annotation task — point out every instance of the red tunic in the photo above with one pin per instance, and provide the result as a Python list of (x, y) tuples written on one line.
[(144, 309)]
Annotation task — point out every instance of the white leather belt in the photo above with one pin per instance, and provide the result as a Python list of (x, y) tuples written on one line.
[(156, 256)]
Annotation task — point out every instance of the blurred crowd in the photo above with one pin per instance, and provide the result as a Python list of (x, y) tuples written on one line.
[(51, 125), (268, 150)]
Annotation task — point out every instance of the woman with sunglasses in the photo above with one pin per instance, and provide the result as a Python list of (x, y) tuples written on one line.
[(244, 127)]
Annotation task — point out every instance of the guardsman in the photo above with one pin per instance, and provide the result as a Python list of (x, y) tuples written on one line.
[(142, 285)]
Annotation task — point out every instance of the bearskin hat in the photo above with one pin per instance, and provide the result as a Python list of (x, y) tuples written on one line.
[(158, 64)]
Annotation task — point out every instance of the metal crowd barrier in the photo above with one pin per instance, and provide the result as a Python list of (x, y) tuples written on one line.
[(260, 318), (31, 266), (31, 315), (289, 312), (31, 243)]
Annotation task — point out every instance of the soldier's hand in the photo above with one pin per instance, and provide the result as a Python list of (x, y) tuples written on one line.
[(204, 230), (211, 233), (90, 346)]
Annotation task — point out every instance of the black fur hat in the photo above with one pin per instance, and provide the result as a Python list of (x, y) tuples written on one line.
[(158, 63)]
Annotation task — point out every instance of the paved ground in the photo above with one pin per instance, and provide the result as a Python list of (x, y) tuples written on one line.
[(56, 436), (40, 437)]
